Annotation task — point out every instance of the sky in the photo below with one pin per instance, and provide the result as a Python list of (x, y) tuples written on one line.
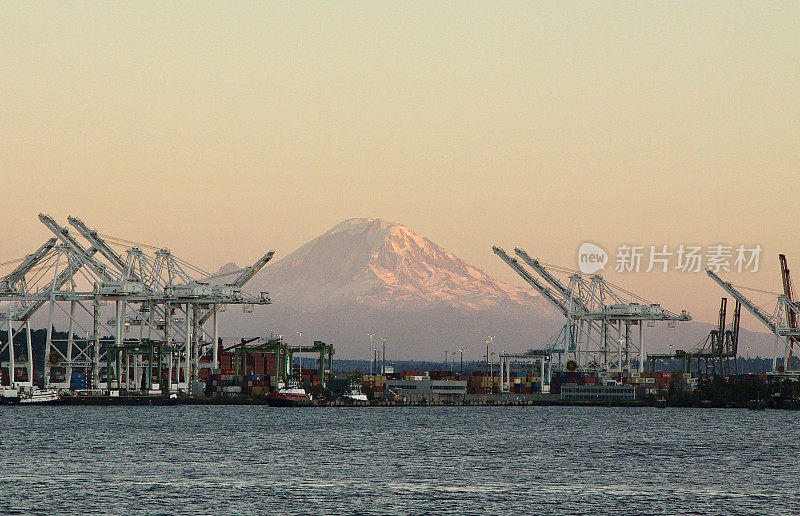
[(222, 130)]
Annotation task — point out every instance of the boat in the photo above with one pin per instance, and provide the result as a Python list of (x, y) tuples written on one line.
[(39, 396), (290, 395), (354, 393), (9, 395)]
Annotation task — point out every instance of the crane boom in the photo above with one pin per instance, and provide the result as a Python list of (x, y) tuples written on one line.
[(538, 267), (251, 271), (759, 314), (737, 314), (243, 278), (785, 278), (723, 311), (29, 263), (788, 291), (92, 236), (552, 280), (543, 290), (83, 255), (59, 282)]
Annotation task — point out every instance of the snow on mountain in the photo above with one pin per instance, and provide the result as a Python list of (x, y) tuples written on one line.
[(379, 264)]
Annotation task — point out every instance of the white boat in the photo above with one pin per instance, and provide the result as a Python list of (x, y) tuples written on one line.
[(9, 395), (289, 395), (354, 393), (39, 396)]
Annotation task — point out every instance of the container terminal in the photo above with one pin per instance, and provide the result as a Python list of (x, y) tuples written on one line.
[(143, 328)]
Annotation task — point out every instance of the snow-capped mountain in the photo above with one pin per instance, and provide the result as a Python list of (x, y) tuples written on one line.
[(379, 264), (371, 276)]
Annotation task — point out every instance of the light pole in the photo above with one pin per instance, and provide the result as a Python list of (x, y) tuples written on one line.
[(461, 369), (300, 355), (383, 357), (500, 371), (370, 345), (445, 360), (491, 363), (748, 352), (489, 339)]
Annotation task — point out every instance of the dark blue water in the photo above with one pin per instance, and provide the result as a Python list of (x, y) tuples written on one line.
[(561, 460)]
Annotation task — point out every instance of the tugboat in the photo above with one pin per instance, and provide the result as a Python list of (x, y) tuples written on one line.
[(16, 396), (290, 395), (39, 396), (354, 393)]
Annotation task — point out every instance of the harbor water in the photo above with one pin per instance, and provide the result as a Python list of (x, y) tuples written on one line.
[(397, 460)]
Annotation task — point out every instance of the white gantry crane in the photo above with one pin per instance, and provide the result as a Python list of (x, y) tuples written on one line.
[(135, 319), (782, 322), (599, 314)]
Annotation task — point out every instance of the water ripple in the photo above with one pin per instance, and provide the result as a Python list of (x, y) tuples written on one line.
[(444, 460)]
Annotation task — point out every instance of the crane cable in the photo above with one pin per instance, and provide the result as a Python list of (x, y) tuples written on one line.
[(12, 262), (123, 241)]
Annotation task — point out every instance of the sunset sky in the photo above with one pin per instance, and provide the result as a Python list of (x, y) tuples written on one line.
[(222, 130)]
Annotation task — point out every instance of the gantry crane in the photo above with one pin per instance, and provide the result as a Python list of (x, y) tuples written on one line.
[(782, 322), (15, 284), (791, 315), (157, 292), (713, 354), (597, 334), (284, 353)]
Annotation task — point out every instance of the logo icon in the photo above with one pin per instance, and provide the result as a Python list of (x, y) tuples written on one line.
[(591, 258)]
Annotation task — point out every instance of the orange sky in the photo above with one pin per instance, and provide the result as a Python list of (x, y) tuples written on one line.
[(223, 130)]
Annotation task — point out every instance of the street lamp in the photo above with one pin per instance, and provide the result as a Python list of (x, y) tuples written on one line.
[(370, 358), (445, 360), (300, 344), (383, 356), (461, 369), (748, 352), (489, 339)]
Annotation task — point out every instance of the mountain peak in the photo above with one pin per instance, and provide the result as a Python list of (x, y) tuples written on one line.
[(360, 224), (380, 264)]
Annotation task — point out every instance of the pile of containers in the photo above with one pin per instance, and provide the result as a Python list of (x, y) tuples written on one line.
[(442, 375), (376, 382), (525, 383), (481, 383), (223, 384)]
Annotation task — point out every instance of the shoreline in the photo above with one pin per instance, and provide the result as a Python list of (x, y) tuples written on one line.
[(121, 401)]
